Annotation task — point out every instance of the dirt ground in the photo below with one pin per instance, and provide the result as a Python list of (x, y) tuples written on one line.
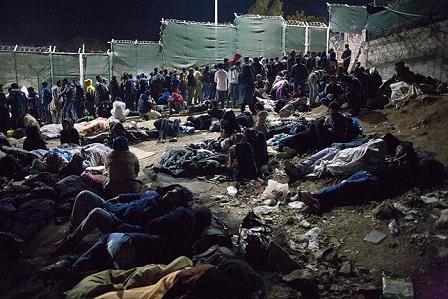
[(346, 266)]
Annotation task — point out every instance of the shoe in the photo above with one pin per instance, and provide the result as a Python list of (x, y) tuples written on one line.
[(291, 169), (56, 271), (315, 105), (310, 201), (163, 140), (174, 139)]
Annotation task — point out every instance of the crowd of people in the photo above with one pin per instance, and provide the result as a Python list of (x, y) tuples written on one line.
[(157, 227)]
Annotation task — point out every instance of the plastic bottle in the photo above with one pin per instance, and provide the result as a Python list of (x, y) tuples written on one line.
[(402, 208), (313, 241), (394, 228)]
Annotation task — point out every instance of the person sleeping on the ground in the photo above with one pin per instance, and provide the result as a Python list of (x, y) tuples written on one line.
[(90, 211), (384, 179), (164, 238), (334, 161)]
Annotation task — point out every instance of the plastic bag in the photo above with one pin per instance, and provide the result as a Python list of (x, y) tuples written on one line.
[(397, 287), (275, 189)]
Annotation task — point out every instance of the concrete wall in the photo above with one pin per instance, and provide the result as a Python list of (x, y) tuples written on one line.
[(424, 50)]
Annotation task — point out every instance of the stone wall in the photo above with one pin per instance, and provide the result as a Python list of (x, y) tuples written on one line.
[(424, 50)]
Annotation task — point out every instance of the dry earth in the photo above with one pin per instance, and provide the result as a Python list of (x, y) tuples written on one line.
[(352, 262)]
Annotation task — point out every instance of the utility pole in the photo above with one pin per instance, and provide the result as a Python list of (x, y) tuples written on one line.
[(216, 12)]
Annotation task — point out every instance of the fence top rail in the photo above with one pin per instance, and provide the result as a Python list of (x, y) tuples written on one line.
[(195, 22), (305, 24), (115, 41), (17, 48)]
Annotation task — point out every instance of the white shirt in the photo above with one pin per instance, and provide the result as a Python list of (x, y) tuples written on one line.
[(221, 80)]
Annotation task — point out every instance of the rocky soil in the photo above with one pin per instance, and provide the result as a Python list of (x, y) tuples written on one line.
[(343, 265)]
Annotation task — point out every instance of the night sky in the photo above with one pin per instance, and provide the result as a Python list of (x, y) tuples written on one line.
[(44, 23)]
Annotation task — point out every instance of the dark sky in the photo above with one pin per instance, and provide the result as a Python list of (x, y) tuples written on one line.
[(43, 23)]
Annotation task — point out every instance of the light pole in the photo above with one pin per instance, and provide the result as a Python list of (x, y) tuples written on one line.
[(216, 12)]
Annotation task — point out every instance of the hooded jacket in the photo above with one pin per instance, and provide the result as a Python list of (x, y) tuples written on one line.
[(90, 90), (69, 135)]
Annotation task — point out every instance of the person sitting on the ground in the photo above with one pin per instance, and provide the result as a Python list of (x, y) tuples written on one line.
[(332, 92), (163, 98), (122, 168), (119, 111), (262, 115), (384, 179), (215, 111), (353, 94), (297, 102), (176, 103), (90, 211), (260, 86), (69, 134), (229, 125), (146, 104), (370, 91), (28, 121), (336, 127), (402, 74), (167, 128), (33, 140)]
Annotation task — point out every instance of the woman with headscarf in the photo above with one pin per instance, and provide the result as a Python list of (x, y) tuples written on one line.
[(246, 90), (122, 170), (33, 140), (229, 125), (69, 134)]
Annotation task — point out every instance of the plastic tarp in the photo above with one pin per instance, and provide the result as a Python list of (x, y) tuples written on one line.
[(135, 58), (295, 38), (65, 66), (347, 18), (318, 39), (32, 69), (96, 64), (187, 44), (259, 36), (407, 15)]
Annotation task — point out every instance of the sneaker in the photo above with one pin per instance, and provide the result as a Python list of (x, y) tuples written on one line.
[(174, 139), (56, 271), (291, 169), (312, 203), (163, 140)]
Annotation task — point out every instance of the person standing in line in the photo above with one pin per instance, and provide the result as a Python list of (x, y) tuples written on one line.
[(3, 112), (69, 95), (198, 86), (191, 86), (234, 72), (346, 57), (56, 103), (16, 101), (221, 79), (46, 98)]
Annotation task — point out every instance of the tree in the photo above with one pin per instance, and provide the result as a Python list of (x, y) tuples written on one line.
[(266, 8), (300, 16)]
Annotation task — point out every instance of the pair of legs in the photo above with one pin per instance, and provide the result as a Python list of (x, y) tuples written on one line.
[(88, 213)]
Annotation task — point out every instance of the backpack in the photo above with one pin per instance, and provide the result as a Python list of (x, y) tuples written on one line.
[(244, 166), (215, 234), (245, 120)]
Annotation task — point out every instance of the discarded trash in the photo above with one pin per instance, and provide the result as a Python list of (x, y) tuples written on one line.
[(313, 242), (397, 287), (275, 189), (428, 199), (390, 127), (232, 190), (263, 210), (296, 204), (375, 237), (401, 207), (394, 228)]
